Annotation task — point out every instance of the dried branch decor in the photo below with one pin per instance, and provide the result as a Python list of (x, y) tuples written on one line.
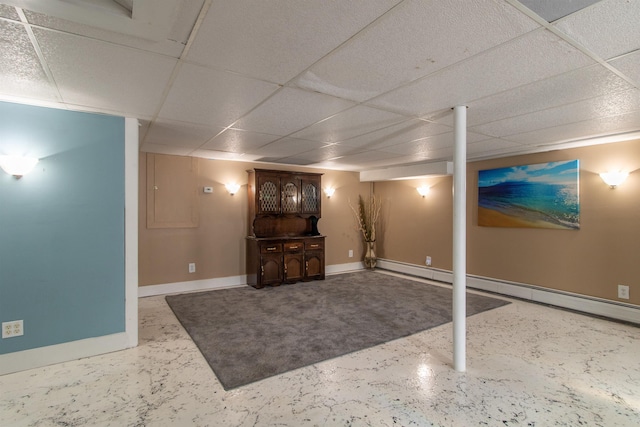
[(366, 216)]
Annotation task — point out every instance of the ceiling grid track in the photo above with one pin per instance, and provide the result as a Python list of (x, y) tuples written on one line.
[(335, 85), (573, 42), (36, 47), (178, 66), (289, 84)]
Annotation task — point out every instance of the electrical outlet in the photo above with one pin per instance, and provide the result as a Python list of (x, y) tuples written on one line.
[(192, 267), (350, 253), (623, 291), (428, 260), (12, 329)]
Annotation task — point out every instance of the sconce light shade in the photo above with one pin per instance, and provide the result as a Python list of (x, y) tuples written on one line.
[(232, 188), (329, 192), (423, 190), (17, 165), (613, 179)]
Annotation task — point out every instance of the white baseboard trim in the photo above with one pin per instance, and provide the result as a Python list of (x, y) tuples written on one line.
[(194, 285), (343, 268), (225, 282), (65, 352), (586, 304)]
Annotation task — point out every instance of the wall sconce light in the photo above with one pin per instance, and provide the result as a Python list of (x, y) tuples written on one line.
[(613, 179), (17, 165), (423, 190), (232, 188), (329, 192)]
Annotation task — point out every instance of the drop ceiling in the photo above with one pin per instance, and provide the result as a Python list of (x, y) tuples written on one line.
[(353, 85)]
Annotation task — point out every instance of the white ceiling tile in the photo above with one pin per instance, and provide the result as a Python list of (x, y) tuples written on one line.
[(566, 88), (8, 12), (328, 152), (350, 123), (608, 28), (629, 65), (286, 147), (290, 161), (532, 57), (214, 98), (445, 153), (277, 39), (21, 73), (290, 110), (535, 56), (188, 12), (382, 160), (149, 19), (380, 136), (368, 157), (223, 155), (422, 130), (581, 130), (165, 149), (239, 141), (425, 145), (103, 75), (609, 105), (415, 39), (169, 47), (401, 132), (419, 148), (492, 145), (310, 157), (179, 134)]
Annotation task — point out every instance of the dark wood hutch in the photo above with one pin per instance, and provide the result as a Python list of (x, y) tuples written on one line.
[(284, 245)]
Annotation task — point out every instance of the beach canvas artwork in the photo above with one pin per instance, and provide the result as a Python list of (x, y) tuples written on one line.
[(542, 195)]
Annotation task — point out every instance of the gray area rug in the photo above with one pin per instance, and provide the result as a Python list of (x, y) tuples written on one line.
[(248, 334)]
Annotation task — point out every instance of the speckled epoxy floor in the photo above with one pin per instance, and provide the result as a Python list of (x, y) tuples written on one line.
[(527, 365)]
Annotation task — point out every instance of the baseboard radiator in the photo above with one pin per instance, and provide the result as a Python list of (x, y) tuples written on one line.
[(586, 304)]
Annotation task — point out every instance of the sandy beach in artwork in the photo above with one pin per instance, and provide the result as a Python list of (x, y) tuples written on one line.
[(492, 218)]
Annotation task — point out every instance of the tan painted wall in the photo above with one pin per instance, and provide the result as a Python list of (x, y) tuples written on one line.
[(217, 245), (590, 261), (413, 227)]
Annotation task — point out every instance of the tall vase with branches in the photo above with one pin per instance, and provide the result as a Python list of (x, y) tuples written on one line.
[(366, 214)]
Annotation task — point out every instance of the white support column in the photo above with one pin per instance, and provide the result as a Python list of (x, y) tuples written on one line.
[(459, 238)]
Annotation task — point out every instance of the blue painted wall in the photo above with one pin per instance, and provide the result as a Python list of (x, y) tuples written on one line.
[(62, 226)]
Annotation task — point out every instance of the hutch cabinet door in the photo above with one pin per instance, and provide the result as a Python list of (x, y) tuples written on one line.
[(314, 265), (268, 194), (310, 195), (290, 194), (271, 269), (293, 270)]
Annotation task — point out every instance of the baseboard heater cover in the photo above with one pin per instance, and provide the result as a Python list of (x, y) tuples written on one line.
[(577, 302)]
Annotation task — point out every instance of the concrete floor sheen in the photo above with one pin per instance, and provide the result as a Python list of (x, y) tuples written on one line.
[(527, 365)]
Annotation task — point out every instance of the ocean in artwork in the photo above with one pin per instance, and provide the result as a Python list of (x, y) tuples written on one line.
[(542, 195)]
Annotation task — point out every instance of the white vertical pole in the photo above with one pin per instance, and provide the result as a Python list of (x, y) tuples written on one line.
[(459, 238)]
